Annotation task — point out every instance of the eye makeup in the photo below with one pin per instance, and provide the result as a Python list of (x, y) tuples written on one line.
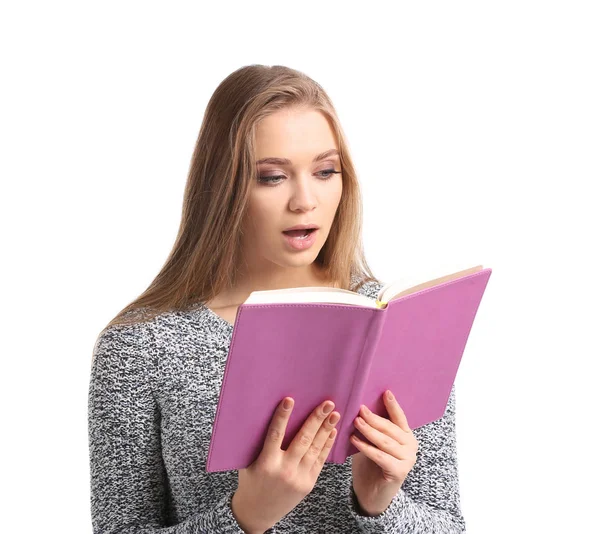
[(325, 175)]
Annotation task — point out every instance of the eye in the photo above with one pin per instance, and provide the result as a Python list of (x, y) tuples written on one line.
[(329, 172), (325, 175)]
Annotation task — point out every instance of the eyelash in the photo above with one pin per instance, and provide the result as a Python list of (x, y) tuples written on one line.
[(269, 179)]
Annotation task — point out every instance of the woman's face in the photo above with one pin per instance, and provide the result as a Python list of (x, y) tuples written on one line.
[(302, 191)]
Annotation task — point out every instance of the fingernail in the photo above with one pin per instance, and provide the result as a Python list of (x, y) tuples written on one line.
[(366, 410), (390, 396), (287, 404), (327, 408)]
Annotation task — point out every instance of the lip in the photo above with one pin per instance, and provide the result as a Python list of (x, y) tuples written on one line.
[(301, 227), (301, 244)]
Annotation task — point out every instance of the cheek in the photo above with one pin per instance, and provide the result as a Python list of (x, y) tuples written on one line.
[(336, 198), (261, 214), (337, 188)]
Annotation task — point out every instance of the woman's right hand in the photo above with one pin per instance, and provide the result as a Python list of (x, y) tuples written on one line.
[(278, 480)]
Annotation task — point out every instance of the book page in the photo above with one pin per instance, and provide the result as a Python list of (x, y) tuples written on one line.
[(402, 287), (310, 294)]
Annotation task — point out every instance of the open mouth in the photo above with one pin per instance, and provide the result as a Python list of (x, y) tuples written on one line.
[(299, 233)]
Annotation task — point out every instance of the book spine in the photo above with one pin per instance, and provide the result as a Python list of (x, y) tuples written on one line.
[(342, 447)]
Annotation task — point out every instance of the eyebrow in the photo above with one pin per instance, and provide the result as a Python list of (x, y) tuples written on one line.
[(285, 161)]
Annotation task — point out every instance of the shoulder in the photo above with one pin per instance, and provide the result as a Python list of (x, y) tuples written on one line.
[(124, 344)]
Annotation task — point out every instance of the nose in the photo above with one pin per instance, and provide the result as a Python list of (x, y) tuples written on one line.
[(303, 197)]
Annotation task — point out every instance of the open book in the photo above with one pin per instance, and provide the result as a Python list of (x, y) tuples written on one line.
[(319, 343)]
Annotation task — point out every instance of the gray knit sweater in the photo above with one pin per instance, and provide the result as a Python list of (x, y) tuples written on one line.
[(153, 395)]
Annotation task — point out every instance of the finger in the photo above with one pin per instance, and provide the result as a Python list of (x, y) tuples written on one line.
[(277, 427), (320, 461), (387, 462), (305, 436), (313, 452), (397, 414), (384, 425), (380, 439)]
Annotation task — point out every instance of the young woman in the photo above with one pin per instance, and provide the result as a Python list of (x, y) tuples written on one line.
[(270, 156)]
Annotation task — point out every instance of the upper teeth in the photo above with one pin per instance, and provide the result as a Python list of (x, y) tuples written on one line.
[(301, 233)]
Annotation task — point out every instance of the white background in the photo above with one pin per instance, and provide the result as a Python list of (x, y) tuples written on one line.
[(475, 128)]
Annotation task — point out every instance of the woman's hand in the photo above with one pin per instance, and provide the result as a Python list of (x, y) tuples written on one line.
[(278, 480), (379, 470)]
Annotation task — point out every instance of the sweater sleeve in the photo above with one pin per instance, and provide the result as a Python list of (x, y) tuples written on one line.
[(428, 502), (127, 475)]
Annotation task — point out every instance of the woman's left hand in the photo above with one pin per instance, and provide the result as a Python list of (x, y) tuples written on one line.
[(379, 470)]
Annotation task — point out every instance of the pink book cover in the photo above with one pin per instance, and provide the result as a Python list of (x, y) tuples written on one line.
[(346, 353)]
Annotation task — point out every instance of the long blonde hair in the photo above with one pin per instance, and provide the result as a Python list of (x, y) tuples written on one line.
[(205, 257)]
